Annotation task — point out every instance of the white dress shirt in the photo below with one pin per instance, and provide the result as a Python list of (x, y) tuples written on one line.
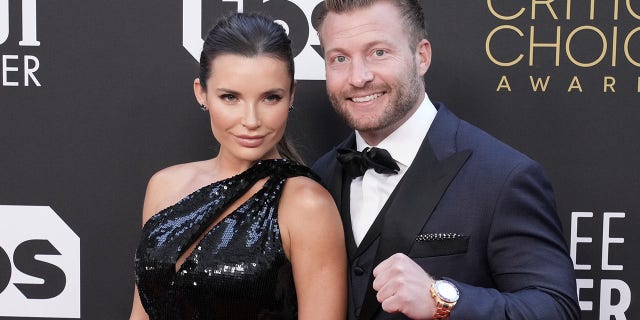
[(370, 192)]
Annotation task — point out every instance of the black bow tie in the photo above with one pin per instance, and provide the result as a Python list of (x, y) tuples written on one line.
[(355, 163)]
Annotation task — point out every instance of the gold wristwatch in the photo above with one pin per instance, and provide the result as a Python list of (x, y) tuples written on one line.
[(445, 294)]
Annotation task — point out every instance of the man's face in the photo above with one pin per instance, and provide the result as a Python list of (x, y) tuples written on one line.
[(373, 71)]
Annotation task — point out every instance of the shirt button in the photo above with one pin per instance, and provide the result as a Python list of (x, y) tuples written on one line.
[(358, 271)]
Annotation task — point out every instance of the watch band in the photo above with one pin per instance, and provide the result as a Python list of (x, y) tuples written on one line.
[(443, 308)]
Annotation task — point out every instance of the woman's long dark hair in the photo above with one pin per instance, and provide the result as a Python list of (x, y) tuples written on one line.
[(249, 35)]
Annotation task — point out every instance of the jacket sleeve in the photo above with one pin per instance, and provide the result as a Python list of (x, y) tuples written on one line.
[(527, 254)]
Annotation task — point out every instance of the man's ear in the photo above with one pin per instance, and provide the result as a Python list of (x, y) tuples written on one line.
[(423, 54)]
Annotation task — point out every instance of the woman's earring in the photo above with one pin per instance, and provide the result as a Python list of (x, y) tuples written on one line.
[(203, 108), (290, 108)]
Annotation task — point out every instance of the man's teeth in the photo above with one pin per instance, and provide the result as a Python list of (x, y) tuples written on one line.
[(366, 98)]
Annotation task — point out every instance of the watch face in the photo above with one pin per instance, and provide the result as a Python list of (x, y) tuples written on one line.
[(447, 291)]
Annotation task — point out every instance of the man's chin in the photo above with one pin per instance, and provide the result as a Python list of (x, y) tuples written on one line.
[(365, 125), (360, 122)]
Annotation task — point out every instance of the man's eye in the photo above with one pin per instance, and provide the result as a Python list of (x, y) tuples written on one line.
[(341, 58), (379, 53)]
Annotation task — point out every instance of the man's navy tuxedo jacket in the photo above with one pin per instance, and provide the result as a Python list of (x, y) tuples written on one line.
[(472, 210)]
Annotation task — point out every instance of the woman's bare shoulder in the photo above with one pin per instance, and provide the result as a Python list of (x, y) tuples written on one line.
[(169, 185), (306, 213), (174, 178), (305, 198), (176, 173)]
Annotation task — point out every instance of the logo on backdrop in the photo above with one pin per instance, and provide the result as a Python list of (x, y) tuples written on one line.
[(19, 69), (564, 46), (39, 264), (295, 16), (615, 294)]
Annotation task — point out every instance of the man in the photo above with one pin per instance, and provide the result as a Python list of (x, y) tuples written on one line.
[(457, 225)]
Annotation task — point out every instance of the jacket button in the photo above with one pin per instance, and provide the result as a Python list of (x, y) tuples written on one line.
[(358, 271)]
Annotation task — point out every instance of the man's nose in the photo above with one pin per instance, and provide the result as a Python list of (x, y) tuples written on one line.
[(360, 73)]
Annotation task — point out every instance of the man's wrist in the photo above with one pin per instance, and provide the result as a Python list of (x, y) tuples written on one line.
[(445, 295)]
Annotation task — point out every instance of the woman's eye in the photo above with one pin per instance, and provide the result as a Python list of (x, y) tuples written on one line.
[(228, 97), (273, 98)]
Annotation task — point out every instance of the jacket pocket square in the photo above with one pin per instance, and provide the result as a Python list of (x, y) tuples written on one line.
[(439, 244), (437, 236)]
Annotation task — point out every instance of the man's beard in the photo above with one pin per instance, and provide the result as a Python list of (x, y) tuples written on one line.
[(402, 99)]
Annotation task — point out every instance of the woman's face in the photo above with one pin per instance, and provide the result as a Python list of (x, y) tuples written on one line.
[(248, 100)]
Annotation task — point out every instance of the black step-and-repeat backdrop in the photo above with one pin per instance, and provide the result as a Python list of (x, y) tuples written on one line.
[(97, 95)]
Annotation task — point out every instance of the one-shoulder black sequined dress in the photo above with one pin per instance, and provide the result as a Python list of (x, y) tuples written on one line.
[(238, 270)]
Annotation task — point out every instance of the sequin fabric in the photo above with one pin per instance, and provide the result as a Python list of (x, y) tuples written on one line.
[(238, 270)]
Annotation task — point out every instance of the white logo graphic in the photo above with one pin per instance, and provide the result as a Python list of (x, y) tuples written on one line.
[(29, 35), (15, 68), (309, 63), (39, 264)]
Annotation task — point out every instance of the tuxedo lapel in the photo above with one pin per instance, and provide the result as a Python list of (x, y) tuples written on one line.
[(408, 213), (333, 183), (412, 203), (339, 187), (346, 219)]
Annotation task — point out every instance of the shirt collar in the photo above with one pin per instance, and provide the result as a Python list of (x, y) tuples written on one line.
[(403, 144)]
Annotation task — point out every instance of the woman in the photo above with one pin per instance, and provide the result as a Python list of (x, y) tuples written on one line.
[(226, 238)]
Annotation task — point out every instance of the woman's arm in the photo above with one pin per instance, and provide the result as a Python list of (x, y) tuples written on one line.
[(137, 311), (152, 199), (313, 239)]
